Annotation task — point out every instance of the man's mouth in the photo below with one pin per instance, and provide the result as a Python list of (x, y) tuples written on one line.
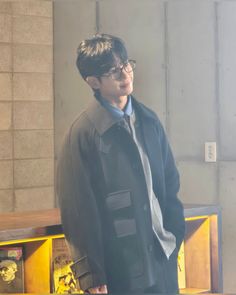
[(123, 85)]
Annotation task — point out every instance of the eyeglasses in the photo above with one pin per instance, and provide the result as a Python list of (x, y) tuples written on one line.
[(115, 72)]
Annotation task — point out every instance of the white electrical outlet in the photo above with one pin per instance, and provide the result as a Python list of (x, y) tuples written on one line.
[(210, 151)]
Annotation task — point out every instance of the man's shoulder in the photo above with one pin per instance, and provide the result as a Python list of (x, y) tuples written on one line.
[(81, 128), (81, 122), (145, 111)]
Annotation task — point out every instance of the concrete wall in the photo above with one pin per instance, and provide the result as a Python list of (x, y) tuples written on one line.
[(186, 69), (26, 106)]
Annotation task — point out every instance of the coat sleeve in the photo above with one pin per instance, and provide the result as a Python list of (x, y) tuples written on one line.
[(174, 214), (79, 212)]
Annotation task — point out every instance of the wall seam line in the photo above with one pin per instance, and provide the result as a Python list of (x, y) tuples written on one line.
[(12, 114), (97, 14), (217, 99), (166, 61)]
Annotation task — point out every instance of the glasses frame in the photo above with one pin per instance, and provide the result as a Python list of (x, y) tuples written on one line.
[(118, 70)]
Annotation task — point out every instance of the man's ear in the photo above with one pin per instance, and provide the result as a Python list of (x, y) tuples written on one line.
[(93, 82)]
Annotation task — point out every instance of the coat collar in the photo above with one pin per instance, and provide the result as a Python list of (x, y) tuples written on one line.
[(103, 120)]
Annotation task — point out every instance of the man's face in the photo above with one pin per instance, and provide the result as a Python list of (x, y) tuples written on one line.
[(7, 272), (115, 88)]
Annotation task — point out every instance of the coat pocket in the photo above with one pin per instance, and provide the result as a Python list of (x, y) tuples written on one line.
[(125, 232), (104, 147), (118, 200), (125, 227)]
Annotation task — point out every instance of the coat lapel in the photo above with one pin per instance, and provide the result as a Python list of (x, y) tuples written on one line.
[(149, 126)]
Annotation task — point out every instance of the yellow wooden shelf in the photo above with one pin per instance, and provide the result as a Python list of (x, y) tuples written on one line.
[(36, 231), (194, 291), (201, 264)]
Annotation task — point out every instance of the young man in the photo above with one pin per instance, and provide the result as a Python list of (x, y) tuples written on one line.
[(118, 183)]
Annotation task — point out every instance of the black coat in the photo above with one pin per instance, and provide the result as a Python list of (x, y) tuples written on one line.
[(104, 200)]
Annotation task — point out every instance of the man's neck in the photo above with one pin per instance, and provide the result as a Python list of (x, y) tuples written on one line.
[(118, 102)]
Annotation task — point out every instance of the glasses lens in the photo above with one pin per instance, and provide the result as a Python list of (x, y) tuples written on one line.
[(129, 66), (115, 73)]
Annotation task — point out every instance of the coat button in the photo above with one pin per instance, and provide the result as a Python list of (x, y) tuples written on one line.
[(135, 166), (150, 248), (145, 207)]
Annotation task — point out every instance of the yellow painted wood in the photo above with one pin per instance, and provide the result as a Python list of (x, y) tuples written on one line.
[(215, 276), (193, 291), (37, 266), (197, 254), (196, 217), (21, 241)]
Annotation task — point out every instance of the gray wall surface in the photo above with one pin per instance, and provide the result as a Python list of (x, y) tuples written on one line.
[(185, 52), (26, 106)]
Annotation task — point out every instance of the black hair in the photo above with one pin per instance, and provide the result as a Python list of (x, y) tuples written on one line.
[(97, 55)]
